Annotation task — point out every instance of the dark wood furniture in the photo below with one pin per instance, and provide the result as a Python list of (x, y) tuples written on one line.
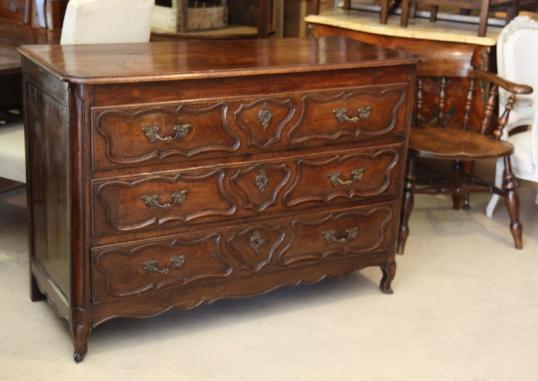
[(15, 30), (430, 139), (174, 174)]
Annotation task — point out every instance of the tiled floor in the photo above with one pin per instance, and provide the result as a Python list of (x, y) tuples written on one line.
[(465, 307)]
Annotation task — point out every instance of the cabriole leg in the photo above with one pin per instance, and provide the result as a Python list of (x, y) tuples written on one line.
[(389, 271), (80, 330), (79, 335)]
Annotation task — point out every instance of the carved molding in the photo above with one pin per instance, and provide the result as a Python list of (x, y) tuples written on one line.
[(187, 177), (271, 192), (159, 280), (259, 250), (349, 193), (266, 119), (181, 111), (353, 129), (335, 248)]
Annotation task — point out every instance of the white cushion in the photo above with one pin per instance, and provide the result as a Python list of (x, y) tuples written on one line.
[(12, 152), (107, 21)]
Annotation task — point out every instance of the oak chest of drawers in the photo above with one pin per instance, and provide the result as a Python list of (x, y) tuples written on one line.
[(173, 174)]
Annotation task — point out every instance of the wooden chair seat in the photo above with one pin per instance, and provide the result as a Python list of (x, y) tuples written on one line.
[(453, 144)]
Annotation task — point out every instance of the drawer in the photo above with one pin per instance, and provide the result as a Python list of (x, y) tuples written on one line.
[(135, 269), (191, 130), (349, 115), (235, 252), (356, 175), (160, 201), (156, 133), (168, 200)]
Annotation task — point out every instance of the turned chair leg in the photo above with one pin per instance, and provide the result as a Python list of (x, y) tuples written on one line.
[(511, 200), (404, 18), (407, 203), (483, 25), (384, 14), (458, 174), (433, 13)]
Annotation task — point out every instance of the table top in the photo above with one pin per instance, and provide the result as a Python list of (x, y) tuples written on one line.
[(368, 22), (191, 59), (12, 35)]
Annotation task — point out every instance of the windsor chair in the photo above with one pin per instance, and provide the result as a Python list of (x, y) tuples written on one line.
[(477, 138)]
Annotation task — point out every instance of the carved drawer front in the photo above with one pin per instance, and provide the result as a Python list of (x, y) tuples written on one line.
[(359, 231), (263, 120), (128, 136), (142, 203), (345, 176), (237, 251), (347, 115), (131, 270)]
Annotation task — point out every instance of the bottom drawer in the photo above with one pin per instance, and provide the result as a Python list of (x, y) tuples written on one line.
[(127, 270)]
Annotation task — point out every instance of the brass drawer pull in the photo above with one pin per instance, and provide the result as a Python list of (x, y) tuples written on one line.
[(356, 175), (153, 133), (362, 114), (152, 200), (330, 236), (151, 266)]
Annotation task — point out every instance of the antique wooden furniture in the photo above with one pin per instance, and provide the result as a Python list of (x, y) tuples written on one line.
[(516, 53), (178, 173), (431, 139)]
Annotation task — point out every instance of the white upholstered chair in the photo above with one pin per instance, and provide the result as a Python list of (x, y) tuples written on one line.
[(517, 61), (85, 22), (107, 21)]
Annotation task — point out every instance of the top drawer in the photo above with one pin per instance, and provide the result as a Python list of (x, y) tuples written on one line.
[(190, 130)]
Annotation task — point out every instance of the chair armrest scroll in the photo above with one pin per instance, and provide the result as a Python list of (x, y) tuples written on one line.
[(512, 87)]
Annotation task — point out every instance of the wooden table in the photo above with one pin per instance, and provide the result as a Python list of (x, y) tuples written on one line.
[(12, 35)]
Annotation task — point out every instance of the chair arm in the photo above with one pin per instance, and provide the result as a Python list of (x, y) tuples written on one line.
[(512, 87)]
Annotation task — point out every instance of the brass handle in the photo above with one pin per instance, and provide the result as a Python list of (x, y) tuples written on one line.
[(152, 200), (356, 175), (362, 114), (330, 236), (151, 266), (152, 133)]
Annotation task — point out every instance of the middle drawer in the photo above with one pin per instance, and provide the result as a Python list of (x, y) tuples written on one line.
[(170, 200)]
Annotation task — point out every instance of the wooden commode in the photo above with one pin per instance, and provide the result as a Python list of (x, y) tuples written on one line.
[(172, 174)]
